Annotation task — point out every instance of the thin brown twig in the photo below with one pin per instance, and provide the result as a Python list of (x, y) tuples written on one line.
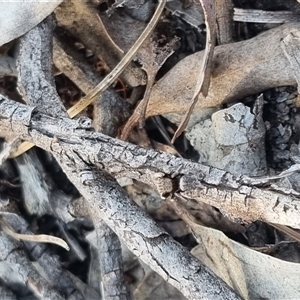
[(202, 86), (114, 74)]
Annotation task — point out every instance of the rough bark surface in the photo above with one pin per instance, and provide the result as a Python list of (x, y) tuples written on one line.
[(93, 161), (142, 236), (121, 159)]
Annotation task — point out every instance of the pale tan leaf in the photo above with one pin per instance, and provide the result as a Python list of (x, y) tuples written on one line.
[(18, 17), (254, 275)]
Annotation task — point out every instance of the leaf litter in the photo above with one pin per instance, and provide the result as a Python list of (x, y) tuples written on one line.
[(248, 287)]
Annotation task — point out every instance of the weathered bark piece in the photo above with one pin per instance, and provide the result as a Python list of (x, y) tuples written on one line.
[(139, 163), (141, 234), (239, 69), (107, 198), (36, 83), (262, 16), (122, 159), (116, 284), (36, 192), (58, 277), (111, 263), (16, 269), (81, 17), (42, 197)]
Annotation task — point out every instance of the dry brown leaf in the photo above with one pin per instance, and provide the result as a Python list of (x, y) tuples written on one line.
[(237, 72), (254, 275)]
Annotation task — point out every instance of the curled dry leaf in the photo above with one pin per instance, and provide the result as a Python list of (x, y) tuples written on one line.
[(18, 17)]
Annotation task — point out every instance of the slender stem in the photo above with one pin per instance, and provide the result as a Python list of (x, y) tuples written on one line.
[(39, 238), (112, 76)]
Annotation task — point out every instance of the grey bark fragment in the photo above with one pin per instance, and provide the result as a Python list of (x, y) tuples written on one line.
[(12, 112), (36, 83), (7, 66), (220, 139), (15, 268), (111, 264), (35, 190), (40, 66), (121, 159), (262, 16), (46, 261), (141, 234)]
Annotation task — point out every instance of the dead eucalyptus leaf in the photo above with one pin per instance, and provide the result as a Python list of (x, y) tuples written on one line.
[(18, 17), (240, 69), (203, 81), (254, 275)]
